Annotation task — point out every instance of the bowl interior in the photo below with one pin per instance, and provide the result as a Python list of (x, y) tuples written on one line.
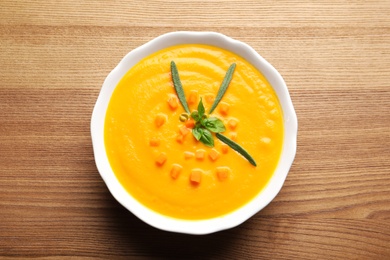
[(202, 226)]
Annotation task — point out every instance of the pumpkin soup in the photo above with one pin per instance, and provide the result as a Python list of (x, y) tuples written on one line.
[(194, 154)]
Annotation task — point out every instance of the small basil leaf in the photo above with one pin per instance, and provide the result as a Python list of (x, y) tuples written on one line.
[(207, 138), (197, 132), (195, 115), (201, 109), (203, 120), (214, 125)]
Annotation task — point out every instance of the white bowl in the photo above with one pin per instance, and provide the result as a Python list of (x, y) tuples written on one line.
[(188, 226)]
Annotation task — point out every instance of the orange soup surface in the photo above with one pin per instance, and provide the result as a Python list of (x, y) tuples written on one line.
[(155, 156)]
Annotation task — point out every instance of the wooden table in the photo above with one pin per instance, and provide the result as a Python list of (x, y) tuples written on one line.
[(335, 58)]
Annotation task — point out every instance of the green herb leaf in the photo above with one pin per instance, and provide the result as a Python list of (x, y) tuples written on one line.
[(201, 109), (203, 120), (214, 125), (236, 147), (197, 132), (224, 86), (204, 124), (195, 115), (207, 138), (178, 87)]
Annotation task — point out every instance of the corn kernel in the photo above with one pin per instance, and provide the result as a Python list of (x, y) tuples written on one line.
[(265, 140)]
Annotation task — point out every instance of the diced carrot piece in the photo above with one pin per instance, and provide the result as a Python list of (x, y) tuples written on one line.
[(200, 154), (214, 154), (223, 108), (209, 98), (184, 130), (161, 159), (160, 119), (196, 176), (190, 123), (224, 148), (188, 155), (154, 141), (193, 97), (175, 171), (180, 138), (233, 136), (223, 173), (173, 102), (233, 123)]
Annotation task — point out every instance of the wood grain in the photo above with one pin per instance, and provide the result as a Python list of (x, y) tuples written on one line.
[(335, 58)]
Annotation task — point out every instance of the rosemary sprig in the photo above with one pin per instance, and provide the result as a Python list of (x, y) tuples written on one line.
[(224, 86), (178, 87), (236, 147)]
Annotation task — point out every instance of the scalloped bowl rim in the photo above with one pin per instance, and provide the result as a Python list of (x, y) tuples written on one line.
[(240, 215)]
